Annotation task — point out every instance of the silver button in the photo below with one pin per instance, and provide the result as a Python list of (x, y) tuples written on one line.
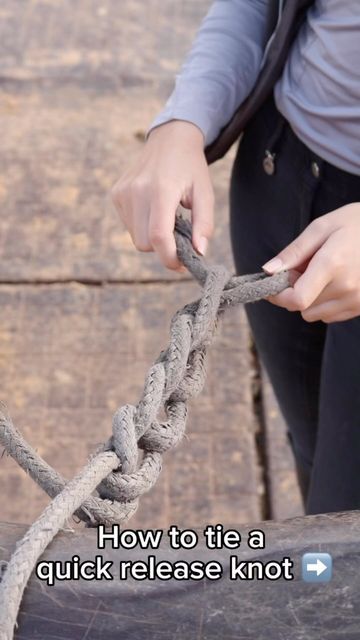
[(315, 169), (269, 162)]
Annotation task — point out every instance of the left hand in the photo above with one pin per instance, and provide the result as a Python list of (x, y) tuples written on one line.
[(324, 264)]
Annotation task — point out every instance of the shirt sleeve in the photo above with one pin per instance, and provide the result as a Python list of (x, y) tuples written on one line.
[(221, 67)]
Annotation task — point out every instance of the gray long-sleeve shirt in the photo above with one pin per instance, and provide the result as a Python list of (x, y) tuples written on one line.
[(318, 92)]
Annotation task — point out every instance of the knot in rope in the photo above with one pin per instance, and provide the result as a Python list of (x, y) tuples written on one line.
[(138, 439), (108, 488)]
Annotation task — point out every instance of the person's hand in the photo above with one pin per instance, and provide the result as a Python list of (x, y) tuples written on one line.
[(324, 261), (171, 170)]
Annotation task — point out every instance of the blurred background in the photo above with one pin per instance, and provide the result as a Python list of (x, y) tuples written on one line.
[(83, 314)]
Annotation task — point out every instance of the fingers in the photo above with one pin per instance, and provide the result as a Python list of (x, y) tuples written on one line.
[(171, 169), (328, 288), (330, 311), (309, 285), (328, 307), (302, 248), (202, 216), (149, 212), (149, 216), (161, 228)]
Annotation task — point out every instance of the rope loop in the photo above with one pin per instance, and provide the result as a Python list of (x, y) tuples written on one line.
[(138, 439), (108, 488)]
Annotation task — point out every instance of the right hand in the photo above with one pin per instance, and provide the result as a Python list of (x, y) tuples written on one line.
[(170, 170)]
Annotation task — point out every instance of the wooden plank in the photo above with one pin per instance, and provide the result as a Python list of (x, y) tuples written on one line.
[(75, 100), (70, 354)]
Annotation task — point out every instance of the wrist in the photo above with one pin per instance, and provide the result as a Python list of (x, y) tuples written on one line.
[(183, 129)]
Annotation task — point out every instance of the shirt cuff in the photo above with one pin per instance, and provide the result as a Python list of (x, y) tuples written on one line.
[(201, 108)]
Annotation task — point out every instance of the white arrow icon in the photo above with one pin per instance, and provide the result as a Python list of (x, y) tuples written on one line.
[(318, 566)]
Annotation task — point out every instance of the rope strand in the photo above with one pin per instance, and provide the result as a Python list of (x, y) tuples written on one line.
[(114, 472)]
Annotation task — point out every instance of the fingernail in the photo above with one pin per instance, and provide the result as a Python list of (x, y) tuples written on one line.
[(202, 245), (274, 265)]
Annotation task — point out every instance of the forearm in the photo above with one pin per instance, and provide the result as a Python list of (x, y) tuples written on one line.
[(221, 67)]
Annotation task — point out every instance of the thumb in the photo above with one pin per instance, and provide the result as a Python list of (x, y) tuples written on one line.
[(300, 250), (202, 217)]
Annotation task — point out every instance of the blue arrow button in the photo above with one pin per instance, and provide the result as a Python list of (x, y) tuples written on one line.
[(316, 567)]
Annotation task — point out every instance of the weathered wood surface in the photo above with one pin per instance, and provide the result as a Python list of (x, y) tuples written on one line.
[(70, 354), (205, 610), (80, 83)]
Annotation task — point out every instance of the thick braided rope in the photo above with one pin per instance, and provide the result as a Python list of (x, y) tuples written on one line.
[(115, 472)]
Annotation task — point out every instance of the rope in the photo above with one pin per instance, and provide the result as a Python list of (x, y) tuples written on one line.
[(108, 488)]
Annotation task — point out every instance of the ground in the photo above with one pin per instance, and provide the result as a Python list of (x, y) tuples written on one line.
[(83, 313)]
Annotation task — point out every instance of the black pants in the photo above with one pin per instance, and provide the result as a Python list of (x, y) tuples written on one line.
[(314, 367)]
